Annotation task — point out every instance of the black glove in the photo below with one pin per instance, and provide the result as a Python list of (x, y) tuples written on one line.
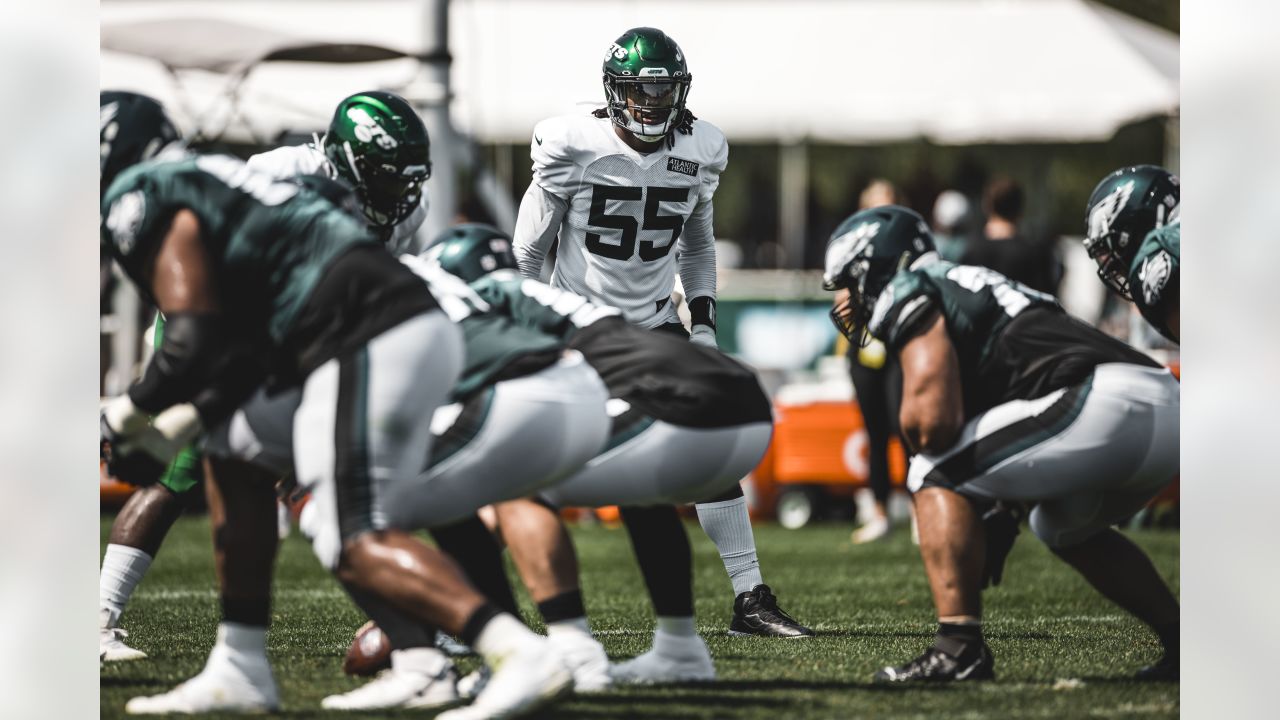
[(135, 466), (1001, 523)]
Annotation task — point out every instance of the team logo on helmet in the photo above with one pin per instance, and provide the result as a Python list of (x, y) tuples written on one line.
[(1106, 212), (847, 247), (368, 130), (125, 219)]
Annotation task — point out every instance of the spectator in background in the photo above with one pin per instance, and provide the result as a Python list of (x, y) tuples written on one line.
[(1004, 248), (877, 383), (951, 224)]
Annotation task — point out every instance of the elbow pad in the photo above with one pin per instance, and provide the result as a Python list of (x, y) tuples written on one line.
[(196, 355)]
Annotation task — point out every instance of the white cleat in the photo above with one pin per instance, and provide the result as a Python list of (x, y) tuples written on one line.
[(111, 647), (586, 659), (874, 529), (673, 659), (418, 678), (527, 678), (244, 685)]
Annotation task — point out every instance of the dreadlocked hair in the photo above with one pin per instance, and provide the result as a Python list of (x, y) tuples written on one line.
[(684, 127)]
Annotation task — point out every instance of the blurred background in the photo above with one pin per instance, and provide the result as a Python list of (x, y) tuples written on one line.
[(992, 118)]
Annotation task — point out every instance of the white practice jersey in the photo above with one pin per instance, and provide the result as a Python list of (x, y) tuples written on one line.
[(627, 221), (294, 160)]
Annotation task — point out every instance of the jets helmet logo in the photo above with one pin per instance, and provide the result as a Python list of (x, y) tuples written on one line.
[(368, 130), (1154, 274), (1105, 213)]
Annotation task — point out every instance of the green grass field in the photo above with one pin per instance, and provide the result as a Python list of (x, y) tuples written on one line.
[(1061, 650)]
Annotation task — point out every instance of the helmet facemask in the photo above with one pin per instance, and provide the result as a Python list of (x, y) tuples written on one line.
[(387, 193), (1112, 268), (648, 107)]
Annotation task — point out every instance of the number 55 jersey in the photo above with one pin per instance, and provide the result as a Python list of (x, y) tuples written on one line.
[(1011, 342), (625, 219)]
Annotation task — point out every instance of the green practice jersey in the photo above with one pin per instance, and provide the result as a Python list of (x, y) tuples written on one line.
[(537, 305), (1154, 276), (1011, 342), (270, 241), (496, 346)]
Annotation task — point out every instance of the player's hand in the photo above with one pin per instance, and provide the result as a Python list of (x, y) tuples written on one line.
[(120, 423), (136, 449), (704, 335), (1001, 524)]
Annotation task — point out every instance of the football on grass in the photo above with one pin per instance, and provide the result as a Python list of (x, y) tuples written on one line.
[(370, 652)]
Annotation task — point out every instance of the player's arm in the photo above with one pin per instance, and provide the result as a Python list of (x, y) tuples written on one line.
[(537, 223), (181, 281), (543, 208), (932, 405), (698, 273)]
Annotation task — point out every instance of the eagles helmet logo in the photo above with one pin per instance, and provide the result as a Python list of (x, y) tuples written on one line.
[(1154, 274), (1102, 217), (846, 247), (125, 219)]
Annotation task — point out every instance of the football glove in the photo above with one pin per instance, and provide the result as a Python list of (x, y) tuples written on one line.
[(704, 335), (137, 451), (1001, 523)]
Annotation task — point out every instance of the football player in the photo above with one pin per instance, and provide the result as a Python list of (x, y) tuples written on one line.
[(628, 190), (670, 400), (1133, 232), (1006, 397), (378, 145), (526, 414), (247, 269)]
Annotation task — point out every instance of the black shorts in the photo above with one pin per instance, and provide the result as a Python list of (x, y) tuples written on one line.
[(671, 379)]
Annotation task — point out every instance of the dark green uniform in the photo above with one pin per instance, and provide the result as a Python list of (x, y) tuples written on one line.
[(296, 276), (1154, 276), (1012, 342), (662, 376)]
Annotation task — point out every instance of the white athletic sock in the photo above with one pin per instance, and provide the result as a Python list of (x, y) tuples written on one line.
[(500, 637), (238, 643), (677, 626), (729, 527), (573, 626), (122, 570)]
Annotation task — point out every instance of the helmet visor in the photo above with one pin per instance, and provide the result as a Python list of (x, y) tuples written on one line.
[(651, 102)]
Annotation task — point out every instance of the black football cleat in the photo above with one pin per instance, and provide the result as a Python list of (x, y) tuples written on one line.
[(757, 613), (938, 665), (1163, 670)]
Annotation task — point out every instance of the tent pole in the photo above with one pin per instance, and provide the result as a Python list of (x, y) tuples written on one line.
[(432, 100), (793, 201)]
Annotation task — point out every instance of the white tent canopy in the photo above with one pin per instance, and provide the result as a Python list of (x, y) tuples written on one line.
[(954, 71)]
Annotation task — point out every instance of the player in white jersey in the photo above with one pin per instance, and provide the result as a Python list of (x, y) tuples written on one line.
[(628, 190), (378, 145)]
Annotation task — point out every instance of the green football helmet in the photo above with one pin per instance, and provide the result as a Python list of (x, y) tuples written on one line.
[(472, 250), (378, 144), (646, 83), (1126, 205), (863, 255), (132, 128)]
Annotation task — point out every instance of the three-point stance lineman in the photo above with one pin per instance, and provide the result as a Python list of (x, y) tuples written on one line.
[(628, 189), (246, 268), (1007, 397)]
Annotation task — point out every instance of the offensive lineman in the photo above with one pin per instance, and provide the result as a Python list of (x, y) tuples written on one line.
[(1006, 397), (246, 268), (1134, 234), (379, 146), (628, 189)]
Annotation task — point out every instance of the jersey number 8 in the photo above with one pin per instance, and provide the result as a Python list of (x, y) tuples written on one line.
[(649, 251)]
